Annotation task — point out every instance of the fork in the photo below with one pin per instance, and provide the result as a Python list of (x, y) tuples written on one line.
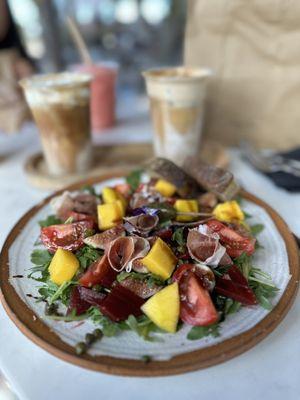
[(269, 163)]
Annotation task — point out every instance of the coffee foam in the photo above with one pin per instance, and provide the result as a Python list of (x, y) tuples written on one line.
[(65, 88)]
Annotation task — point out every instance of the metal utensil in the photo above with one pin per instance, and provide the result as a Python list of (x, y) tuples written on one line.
[(270, 162)]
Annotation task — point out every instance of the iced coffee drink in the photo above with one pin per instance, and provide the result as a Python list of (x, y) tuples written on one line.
[(60, 104), (177, 108)]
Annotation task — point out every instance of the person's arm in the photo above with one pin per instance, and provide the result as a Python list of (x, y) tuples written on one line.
[(4, 19)]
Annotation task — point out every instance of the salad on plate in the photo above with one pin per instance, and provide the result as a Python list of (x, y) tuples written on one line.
[(167, 247)]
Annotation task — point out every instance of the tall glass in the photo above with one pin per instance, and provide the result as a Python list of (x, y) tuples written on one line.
[(177, 106), (60, 104), (103, 98)]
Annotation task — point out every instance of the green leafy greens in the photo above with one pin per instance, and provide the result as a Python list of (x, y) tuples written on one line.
[(142, 325), (87, 255), (134, 179), (256, 229), (199, 332), (50, 220), (41, 260), (259, 281)]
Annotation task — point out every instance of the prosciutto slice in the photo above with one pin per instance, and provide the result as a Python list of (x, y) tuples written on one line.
[(204, 247), (123, 251), (82, 203), (141, 224)]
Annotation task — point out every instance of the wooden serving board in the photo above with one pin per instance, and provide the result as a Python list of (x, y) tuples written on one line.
[(37, 331), (111, 158)]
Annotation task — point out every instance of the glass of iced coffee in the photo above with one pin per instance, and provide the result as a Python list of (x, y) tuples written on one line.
[(60, 104), (177, 107)]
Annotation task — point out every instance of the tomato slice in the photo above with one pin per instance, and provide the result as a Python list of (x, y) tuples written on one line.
[(196, 306), (65, 236), (234, 285), (99, 273), (236, 244)]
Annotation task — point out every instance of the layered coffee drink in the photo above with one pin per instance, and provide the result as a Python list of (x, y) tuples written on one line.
[(60, 104), (177, 108)]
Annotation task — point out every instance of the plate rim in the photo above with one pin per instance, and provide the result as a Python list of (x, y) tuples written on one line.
[(34, 329)]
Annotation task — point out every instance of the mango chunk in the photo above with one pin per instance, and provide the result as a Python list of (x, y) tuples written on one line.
[(110, 214), (160, 260), (163, 308), (229, 211), (182, 205), (110, 195), (63, 266), (165, 188)]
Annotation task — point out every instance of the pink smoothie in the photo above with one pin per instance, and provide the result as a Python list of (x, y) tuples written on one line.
[(102, 94)]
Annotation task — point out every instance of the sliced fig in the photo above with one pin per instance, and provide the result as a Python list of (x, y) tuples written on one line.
[(102, 240)]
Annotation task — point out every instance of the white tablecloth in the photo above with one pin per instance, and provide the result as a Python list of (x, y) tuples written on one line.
[(268, 371)]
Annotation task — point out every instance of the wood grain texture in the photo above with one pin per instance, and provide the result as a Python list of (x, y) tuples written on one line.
[(40, 334)]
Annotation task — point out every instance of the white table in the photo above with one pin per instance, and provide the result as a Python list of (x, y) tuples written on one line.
[(268, 371)]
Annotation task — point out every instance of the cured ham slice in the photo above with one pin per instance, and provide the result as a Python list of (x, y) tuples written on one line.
[(142, 224), (123, 251), (82, 203), (102, 240), (120, 252), (204, 246)]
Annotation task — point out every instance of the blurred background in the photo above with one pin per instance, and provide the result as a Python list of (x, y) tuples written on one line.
[(137, 34)]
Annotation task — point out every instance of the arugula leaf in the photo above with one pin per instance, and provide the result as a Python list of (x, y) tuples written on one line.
[(199, 332), (143, 327), (50, 220), (256, 229), (178, 237), (259, 281), (41, 259), (247, 215), (51, 292), (60, 292), (86, 256), (232, 306), (90, 189), (244, 262), (263, 287), (134, 179), (108, 327)]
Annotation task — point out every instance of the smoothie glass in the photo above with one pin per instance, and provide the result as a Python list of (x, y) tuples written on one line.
[(60, 106), (103, 98), (177, 107)]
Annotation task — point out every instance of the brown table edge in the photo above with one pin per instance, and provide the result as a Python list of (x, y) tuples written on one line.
[(182, 363)]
